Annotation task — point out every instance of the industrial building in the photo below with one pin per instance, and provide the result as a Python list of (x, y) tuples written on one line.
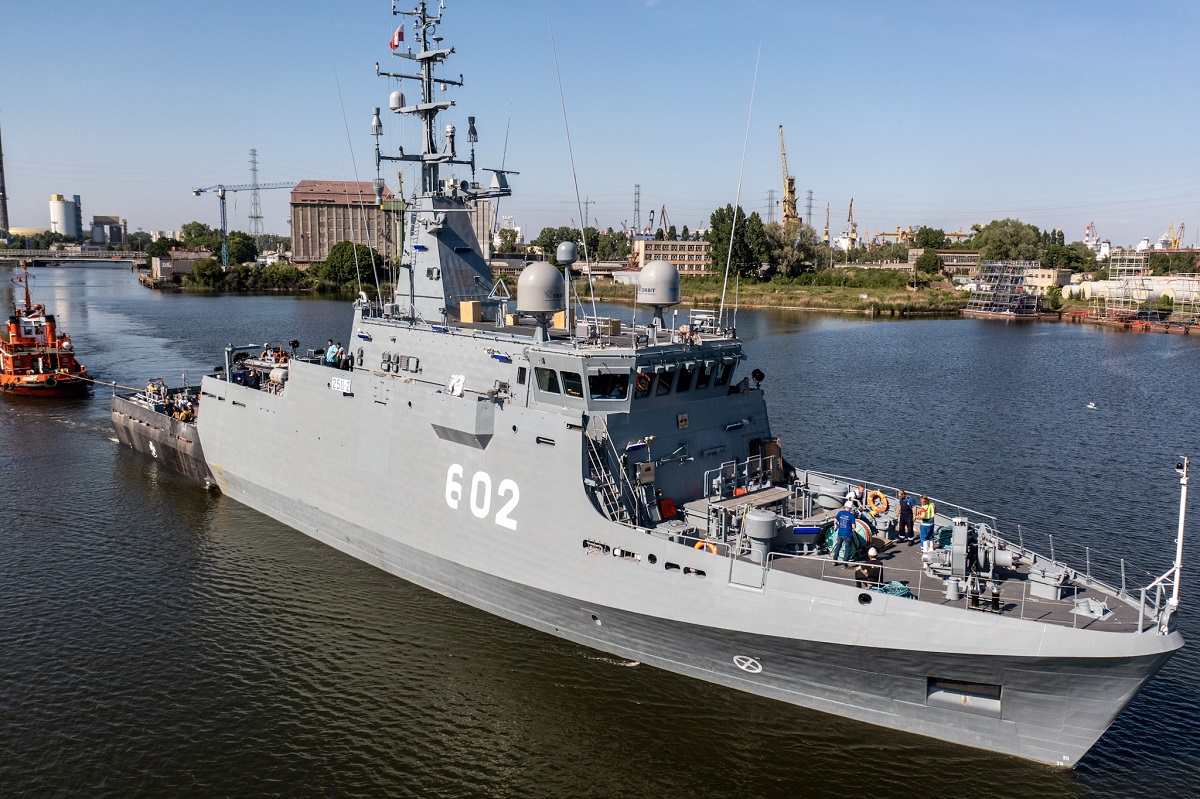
[(690, 257), (325, 212), (66, 216)]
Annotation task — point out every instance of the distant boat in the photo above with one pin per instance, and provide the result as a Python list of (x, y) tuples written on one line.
[(37, 359), (1091, 406)]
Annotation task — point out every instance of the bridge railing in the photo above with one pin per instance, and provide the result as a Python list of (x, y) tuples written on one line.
[(87, 255)]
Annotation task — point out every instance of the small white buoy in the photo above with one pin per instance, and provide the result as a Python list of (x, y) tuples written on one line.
[(1091, 406)]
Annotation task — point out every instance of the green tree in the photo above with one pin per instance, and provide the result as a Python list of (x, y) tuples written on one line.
[(793, 249), (549, 239), (351, 264), (1008, 240), (659, 235), (206, 273), (198, 234), (929, 262), (138, 240), (684, 234), (162, 247), (930, 238), (1054, 297), (721, 227), (613, 246), (242, 247), (508, 240), (672, 233)]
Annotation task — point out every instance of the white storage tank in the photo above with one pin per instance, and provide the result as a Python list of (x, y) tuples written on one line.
[(63, 216)]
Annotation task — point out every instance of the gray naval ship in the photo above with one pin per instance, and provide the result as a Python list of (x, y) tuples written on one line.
[(621, 487)]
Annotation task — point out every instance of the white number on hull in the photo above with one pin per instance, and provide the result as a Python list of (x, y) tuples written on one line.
[(480, 498), (481, 495)]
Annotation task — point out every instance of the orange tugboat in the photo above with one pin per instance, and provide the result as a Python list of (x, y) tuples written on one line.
[(36, 359)]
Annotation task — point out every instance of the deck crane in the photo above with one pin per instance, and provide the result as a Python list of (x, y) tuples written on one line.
[(789, 185), (221, 189)]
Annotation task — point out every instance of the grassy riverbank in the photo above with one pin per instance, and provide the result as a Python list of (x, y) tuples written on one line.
[(706, 292)]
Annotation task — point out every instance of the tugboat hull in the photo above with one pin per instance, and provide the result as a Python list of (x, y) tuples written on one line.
[(48, 386)]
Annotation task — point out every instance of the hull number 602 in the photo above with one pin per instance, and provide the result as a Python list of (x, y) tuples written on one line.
[(479, 495)]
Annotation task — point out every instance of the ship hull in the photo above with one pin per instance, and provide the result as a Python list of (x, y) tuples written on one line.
[(365, 471), (1054, 709), (174, 444)]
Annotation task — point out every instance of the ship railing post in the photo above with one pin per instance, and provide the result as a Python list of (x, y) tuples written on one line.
[(1142, 610), (1123, 591), (1087, 555), (1052, 558), (1182, 468), (1024, 593)]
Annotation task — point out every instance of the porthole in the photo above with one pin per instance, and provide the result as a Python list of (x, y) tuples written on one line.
[(864, 599), (514, 428), (652, 558)]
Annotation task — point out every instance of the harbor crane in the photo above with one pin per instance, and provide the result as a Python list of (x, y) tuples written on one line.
[(221, 190), (789, 185)]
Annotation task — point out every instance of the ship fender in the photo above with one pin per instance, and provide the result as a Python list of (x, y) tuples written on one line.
[(51, 381)]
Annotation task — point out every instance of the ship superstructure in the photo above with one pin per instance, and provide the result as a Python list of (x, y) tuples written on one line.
[(621, 487)]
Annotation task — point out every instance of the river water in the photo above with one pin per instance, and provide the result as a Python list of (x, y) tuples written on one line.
[(160, 640)]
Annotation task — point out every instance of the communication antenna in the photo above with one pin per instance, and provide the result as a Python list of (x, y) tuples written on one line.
[(256, 225)]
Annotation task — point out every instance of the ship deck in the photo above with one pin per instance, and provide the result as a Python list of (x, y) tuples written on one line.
[(901, 563)]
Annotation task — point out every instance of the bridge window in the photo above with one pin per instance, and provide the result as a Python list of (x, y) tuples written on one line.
[(724, 370), (612, 387), (705, 376), (547, 380), (665, 379), (572, 384), (686, 372)]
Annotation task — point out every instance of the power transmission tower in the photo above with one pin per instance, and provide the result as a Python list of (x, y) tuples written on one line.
[(637, 208), (770, 206), (808, 209), (256, 225)]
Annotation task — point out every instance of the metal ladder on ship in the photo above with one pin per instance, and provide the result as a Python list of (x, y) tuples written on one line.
[(605, 488)]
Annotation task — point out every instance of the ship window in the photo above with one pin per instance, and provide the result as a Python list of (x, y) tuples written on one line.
[(521, 374), (705, 376), (572, 384), (665, 379), (547, 380), (724, 370), (686, 372), (613, 387)]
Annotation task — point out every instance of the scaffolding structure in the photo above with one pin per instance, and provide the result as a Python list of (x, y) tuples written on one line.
[(1000, 290), (1129, 295), (1185, 307)]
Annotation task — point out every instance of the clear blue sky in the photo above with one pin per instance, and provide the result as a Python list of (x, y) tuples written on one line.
[(939, 113)]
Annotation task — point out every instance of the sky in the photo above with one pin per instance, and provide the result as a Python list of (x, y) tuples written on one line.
[(924, 113)]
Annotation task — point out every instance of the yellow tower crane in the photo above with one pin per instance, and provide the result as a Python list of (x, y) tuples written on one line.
[(789, 185)]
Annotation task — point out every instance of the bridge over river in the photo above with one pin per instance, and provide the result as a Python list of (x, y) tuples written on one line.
[(57, 257)]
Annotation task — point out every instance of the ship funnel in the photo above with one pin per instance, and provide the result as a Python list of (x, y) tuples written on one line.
[(658, 286), (541, 291)]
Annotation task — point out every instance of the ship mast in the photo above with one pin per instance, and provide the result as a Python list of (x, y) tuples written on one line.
[(427, 109)]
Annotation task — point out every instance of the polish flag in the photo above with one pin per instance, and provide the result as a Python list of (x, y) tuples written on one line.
[(397, 37)]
